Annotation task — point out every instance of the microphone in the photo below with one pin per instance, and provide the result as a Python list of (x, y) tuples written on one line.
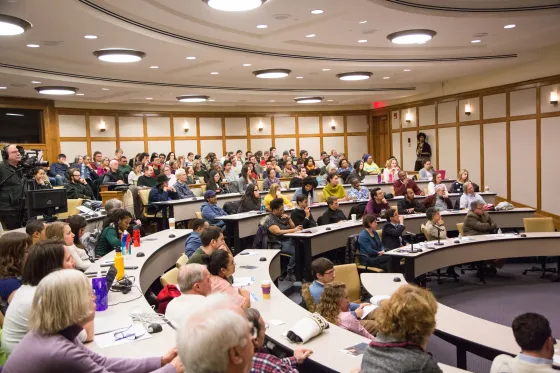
[(439, 230)]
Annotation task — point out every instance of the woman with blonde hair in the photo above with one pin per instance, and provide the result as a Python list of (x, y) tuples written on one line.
[(391, 170), (275, 192), (404, 323), (63, 232), (334, 306), (462, 179), (52, 344)]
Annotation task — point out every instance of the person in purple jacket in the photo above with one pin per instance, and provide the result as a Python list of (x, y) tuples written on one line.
[(52, 346)]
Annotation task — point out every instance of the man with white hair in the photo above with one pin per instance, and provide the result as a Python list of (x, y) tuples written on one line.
[(439, 199), (194, 282), (181, 185), (215, 337), (113, 176)]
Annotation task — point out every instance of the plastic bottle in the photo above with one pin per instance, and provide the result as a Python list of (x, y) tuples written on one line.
[(263, 207), (499, 230), (136, 233), (128, 244), (124, 238), (119, 264)]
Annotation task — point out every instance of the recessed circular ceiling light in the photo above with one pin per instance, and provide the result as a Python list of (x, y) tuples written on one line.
[(509, 26), (362, 41), (234, 6), (475, 41), (57, 90), (330, 100), (299, 77), (191, 58), (193, 98), (246, 64), (411, 36), (358, 75), (214, 73), (91, 37), (35, 82), (407, 70), (272, 73), (154, 67), (308, 100), (149, 98), (104, 89), (33, 45), (79, 94), (12, 25), (272, 100), (3, 87), (310, 36), (119, 55), (316, 11), (211, 100), (262, 26), (326, 69), (386, 77), (362, 22)]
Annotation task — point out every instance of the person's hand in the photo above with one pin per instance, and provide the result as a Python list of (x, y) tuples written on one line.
[(359, 312), (422, 194), (284, 216), (120, 182), (384, 200), (278, 194), (301, 354), (169, 356), (172, 189), (440, 222), (178, 365), (401, 219), (380, 253), (298, 228), (41, 182), (410, 211), (89, 166), (83, 181), (307, 212), (356, 370), (244, 292)]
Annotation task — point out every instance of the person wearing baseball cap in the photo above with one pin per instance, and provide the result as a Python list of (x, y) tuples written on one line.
[(210, 210), (161, 192)]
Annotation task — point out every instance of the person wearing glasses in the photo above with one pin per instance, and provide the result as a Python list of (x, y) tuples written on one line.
[(265, 362), (77, 187)]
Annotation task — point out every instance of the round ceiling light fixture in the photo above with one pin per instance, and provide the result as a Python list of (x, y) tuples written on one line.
[(308, 100), (119, 55), (272, 73), (12, 25), (57, 90), (234, 5), (358, 75), (411, 36), (193, 98)]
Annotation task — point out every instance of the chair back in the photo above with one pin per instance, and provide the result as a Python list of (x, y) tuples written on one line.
[(425, 191), (73, 205), (348, 274), (128, 201), (319, 194), (460, 229), (425, 232), (538, 224), (183, 259), (169, 277), (260, 184), (392, 190), (144, 194), (198, 214), (380, 233)]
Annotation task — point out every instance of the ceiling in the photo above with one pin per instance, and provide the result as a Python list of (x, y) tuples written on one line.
[(168, 31)]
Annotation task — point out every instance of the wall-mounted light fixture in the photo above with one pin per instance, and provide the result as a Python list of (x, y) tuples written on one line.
[(186, 127), (261, 126), (333, 124), (467, 109), (102, 126), (408, 117), (554, 98)]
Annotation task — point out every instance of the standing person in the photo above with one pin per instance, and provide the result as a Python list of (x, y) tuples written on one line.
[(301, 214), (409, 204), (277, 224), (58, 170), (377, 204), (393, 230), (423, 151), (403, 183), (333, 214), (77, 187), (14, 247), (369, 166), (334, 189), (427, 172), (371, 247), (251, 200)]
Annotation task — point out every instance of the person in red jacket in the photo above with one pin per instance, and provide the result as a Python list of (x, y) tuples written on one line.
[(403, 183), (438, 199)]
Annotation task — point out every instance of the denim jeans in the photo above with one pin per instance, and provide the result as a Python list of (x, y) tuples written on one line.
[(287, 246), (57, 180)]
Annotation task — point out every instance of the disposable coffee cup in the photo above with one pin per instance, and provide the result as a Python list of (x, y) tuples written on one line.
[(486, 188), (197, 181), (171, 223), (353, 217), (265, 286)]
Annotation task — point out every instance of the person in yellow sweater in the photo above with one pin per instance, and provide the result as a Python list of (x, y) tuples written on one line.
[(333, 188), (274, 192)]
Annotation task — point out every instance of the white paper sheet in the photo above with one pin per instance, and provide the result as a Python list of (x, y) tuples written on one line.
[(108, 339)]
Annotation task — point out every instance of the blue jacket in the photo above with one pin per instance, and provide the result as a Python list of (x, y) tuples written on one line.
[(193, 243), (58, 169), (183, 190), (369, 246), (209, 213), (159, 195), (316, 289)]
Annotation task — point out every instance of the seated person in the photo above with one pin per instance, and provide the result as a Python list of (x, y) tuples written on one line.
[(77, 187), (215, 182), (533, 334), (462, 178), (251, 200), (36, 230), (409, 204), (193, 281), (301, 214), (40, 180), (263, 360), (369, 165), (334, 189), (357, 192), (469, 196), (221, 266), (211, 239), (377, 204), (271, 178), (113, 175), (393, 230), (427, 172), (273, 193), (162, 192), (333, 213), (371, 248), (57, 171), (434, 226), (403, 333), (193, 240), (478, 221), (135, 173), (210, 210), (181, 186), (113, 228), (62, 231), (231, 175), (289, 170), (277, 224), (439, 199), (14, 247), (436, 180), (358, 171), (335, 308), (312, 170), (308, 189), (403, 183), (53, 343), (147, 179), (391, 170), (297, 181), (124, 167)]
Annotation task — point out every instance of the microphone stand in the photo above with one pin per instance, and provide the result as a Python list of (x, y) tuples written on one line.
[(438, 243)]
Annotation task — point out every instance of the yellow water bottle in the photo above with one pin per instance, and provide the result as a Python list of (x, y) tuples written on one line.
[(119, 264)]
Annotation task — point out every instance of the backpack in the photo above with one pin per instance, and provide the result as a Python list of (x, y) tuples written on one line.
[(503, 206), (359, 210), (165, 296), (231, 207), (260, 241)]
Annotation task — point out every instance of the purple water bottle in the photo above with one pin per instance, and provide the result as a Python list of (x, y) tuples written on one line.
[(101, 291)]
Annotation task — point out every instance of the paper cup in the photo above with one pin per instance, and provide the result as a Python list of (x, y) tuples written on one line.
[(353, 217), (487, 188), (265, 287), (171, 223)]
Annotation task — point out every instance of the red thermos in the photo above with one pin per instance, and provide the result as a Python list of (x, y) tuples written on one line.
[(136, 233)]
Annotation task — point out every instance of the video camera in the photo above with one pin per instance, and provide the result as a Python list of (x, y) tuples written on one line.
[(29, 160)]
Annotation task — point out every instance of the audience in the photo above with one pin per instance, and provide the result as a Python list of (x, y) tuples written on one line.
[(436, 180), (193, 281), (377, 204), (344, 169), (403, 183), (392, 230), (533, 334), (78, 225), (297, 181), (439, 199), (148, 179), (371, 247), (58, 170), (230, 174), (124, 168), (391, 171), (271, 179), (40, 180), (333, 214), (170, 173), (251, 200), (215, 182), (210, 210), (273, 193), (301, 214), (113, 175), (409, 204), (53, 344), (191, 177), (357, 192), (135, 173), (334, 189), (277, 224), (335, 308), (289, 170), (247, 177), (405, 322), (211, 239), (434, 226), (469, 196), (358, 171), (161, 192), (462, 178), (59, 231), (310, 167), (88, 170), (14, 247), (221, 266), (427, 172), (77, 187), (478, 221), (110, 237), (307, 190), (181, 186), (36, 230), (193, 240), (369, 166)]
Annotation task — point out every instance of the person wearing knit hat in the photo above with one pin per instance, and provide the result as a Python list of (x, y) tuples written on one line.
[(369, 165), (161, 192)]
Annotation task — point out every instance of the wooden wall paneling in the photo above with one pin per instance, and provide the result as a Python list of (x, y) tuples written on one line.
[(145, 128), (508, 147), (248, 125), (539, 171), (437, 138), (345, 136), (272, 129), (401, 156), (481, 141), (322, 145), (117, 132), (198, 135), (88, 136), (223, 136), (172, 132), (297, 134)]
